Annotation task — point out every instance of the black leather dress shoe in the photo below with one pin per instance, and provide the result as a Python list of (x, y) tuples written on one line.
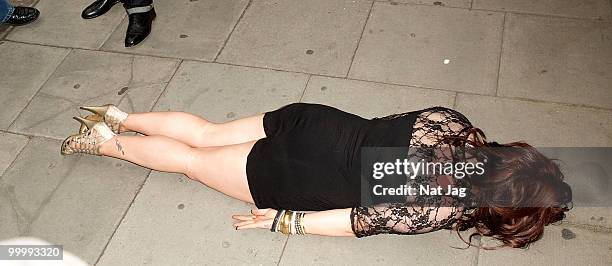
[(139, 26), (22, 15), (98, 8)]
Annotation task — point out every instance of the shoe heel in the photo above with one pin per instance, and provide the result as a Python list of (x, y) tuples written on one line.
[(99, 110), (88, 123)]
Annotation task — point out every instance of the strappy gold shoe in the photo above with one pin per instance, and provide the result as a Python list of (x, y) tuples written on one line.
[(95, 118), (89, 142), (110, 114)]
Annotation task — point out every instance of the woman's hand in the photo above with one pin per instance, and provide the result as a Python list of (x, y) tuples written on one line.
[(259, 218)]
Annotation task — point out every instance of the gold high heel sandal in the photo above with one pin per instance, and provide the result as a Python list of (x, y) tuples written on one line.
[(110, 114), (95, 118), (89, 142)]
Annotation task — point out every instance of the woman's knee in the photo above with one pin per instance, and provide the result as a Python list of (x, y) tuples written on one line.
[(190, 161), (198, 162), (207, 134), (196, 127)]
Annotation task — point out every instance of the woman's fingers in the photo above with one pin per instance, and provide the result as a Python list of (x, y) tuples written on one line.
[(259, 224), (244, 217), (259, 219), (242, 223)]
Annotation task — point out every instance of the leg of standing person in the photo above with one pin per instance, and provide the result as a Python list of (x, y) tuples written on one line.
[(98, 8), (16, 15), (6, 10), (141, 15)]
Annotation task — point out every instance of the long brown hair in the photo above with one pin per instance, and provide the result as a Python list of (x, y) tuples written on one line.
[(520, 192)]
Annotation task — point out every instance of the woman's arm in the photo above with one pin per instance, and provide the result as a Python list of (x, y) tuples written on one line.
[(384, 219), (327, 223)]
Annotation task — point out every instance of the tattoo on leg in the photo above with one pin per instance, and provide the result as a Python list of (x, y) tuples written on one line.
[(119, 147)]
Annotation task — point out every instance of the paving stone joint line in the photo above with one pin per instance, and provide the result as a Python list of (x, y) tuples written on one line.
[(280, 258), (305, 88), (176, 69), (10, 165), (125, 212), (455, 100), (232, 31), (365, 24), (501, 53)]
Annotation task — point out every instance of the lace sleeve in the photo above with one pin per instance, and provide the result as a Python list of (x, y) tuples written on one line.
[(401, 219), (420, 214)]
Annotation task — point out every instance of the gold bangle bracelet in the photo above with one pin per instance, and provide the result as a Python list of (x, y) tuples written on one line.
[(291, 224), (299, 224), (285, 223)]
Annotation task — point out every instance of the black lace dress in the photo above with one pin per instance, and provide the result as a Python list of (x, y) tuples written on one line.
[(310, 160), (421, 213)]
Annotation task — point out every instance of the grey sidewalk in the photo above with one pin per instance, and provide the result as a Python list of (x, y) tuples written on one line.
[(533, 70)]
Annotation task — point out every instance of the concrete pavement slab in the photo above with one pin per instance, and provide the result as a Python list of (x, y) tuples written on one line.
[(540, 124), (313, 36), (370, 99), (10, 146), (430, 46), (222, 93), (428, 249), (561, 245), (185, 29), (27, 189), (84, 211), (94, 78), (558, 60), (61, 24), (183, 222), (567, 8), (22, 78)]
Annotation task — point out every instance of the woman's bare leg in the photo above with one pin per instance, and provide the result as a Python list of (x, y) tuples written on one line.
[(221, 168), (194, 130)]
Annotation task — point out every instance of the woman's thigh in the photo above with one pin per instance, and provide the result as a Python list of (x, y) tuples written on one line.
[(234, 132), (223, 168)]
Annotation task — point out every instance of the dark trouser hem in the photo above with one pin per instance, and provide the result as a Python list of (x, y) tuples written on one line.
[(136, 3)]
